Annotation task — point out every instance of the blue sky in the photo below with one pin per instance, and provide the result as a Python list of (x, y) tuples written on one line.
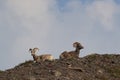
[(53, 25)]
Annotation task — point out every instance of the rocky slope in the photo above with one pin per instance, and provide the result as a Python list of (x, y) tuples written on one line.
[(91, 67)]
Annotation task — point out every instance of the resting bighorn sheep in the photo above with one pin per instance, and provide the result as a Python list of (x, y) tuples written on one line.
[(72, 54), (39, 58)]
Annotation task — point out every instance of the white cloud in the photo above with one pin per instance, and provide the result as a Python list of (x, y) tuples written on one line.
[(103, 12), (34, 16)]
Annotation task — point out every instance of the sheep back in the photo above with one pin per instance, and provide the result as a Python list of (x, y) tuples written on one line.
[(44, 57), (68, 55)]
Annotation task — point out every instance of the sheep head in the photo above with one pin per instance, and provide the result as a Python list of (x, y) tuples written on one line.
[(78, 45), (33, 51)]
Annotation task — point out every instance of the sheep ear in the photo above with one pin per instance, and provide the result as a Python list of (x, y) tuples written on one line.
[(30, 50)]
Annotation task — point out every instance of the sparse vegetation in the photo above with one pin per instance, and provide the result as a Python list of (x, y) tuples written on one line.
[(1, 71), (26, 63), (91, 67), (114, 71)]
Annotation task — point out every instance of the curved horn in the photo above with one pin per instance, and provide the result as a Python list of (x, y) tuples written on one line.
[(75, 44)]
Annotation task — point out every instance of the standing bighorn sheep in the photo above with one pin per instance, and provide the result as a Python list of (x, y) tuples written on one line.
[(39, 58), (72, 54)]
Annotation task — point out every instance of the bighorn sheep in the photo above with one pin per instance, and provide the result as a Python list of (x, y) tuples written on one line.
[(39, 58), (72, 54)]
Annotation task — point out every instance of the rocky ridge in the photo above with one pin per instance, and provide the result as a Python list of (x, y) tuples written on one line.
[(91, 67)]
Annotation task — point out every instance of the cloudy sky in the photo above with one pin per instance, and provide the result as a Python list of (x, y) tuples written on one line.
[(53, 25)]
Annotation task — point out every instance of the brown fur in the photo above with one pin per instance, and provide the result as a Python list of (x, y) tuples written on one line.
[(72, 54), (39, 58)]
